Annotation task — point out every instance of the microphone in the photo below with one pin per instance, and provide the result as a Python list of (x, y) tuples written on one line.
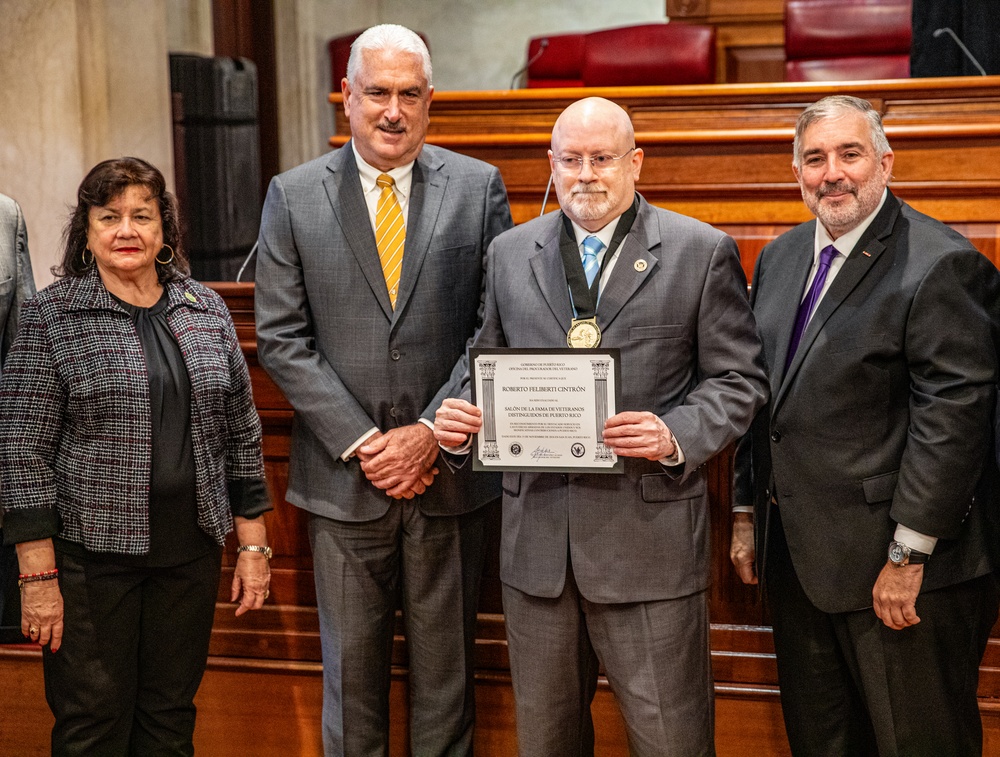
[(246, 262), (948, 30), (545, 201), (542, 44)]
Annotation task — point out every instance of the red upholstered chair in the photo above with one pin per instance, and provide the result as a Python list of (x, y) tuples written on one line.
[(649, 54), (340, 52), (559, 63), (830, 40)]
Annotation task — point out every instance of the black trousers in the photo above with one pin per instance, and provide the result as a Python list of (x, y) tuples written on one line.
[(851, 686), (133, 654)]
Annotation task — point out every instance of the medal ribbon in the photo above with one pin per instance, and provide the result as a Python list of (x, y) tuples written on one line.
[(583, 298)]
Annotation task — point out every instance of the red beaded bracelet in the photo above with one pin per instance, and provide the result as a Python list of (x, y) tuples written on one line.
[(40, 574), (45, 575)]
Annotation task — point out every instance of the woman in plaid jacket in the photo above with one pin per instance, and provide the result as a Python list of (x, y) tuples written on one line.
[(129, 448)]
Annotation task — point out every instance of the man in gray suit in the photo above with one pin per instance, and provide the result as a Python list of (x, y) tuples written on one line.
[(870, 477), (363, 345), (604, 568), (16, 285)]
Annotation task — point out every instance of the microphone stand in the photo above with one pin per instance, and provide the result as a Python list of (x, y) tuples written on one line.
[(538, 54), (948, 30)]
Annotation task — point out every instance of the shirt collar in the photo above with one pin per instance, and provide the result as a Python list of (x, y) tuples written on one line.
[(605, 235), (403, 175), (846, 242)]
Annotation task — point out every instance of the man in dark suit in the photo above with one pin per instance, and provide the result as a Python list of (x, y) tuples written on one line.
[(603, 567), (362, 345), (16, 285), (879, 328)]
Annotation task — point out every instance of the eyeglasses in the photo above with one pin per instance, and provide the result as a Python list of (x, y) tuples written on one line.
[(597, 162)]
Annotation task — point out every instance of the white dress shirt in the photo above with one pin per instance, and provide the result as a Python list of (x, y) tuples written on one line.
[(403, 178)]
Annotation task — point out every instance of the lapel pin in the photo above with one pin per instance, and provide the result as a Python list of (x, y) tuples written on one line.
[(191, 297), (866, 253), (640, 265)]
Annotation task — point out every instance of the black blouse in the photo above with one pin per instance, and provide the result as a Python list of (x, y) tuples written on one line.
[(175, 537)]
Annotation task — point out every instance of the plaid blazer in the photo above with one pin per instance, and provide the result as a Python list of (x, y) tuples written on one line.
[(75, 428)]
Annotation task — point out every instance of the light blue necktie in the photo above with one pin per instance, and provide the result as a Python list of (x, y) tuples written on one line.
[(592, 246)]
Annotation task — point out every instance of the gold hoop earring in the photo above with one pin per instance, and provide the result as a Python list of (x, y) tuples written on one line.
[(169, 260), (83, 257)]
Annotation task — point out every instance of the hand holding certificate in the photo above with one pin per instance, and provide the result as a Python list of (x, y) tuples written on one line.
[(545, 409)]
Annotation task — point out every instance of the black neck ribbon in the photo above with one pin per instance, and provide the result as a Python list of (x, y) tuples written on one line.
[(584, 299)]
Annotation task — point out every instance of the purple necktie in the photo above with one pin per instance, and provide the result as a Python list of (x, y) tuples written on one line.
[(826, 256)]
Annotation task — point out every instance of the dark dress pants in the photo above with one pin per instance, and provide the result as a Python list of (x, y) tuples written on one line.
[(852, 687), (135, 646), (435, 563)]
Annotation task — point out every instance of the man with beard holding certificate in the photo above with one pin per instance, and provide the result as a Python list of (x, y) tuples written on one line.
[(614, 568)]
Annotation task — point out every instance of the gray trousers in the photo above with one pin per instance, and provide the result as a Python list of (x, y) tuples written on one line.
[(434, 564), (656, 658)]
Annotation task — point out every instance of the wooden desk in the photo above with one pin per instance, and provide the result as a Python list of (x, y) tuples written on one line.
[(722, 153)]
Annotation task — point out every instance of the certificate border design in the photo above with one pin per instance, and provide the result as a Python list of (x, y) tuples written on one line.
[(605, 363)]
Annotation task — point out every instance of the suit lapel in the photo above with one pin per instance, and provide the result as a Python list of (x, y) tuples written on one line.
[(636, 261), (347, 201), (547, 268), (426, 196), (859, 262)]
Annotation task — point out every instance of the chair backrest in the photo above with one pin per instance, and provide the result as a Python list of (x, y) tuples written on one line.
[(559, 64), (651, 54), (648, 54), (828, 40), (340, 52)]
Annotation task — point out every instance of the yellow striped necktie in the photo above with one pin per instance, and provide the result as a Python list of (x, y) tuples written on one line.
[(390, 235)]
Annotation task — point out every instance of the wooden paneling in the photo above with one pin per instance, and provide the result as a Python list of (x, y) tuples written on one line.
[(749, 34), (723, 153)]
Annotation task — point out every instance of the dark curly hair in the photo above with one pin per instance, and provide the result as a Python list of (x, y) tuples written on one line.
[(105, 182)]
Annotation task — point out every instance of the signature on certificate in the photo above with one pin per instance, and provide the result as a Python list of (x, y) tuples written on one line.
[(541, 453)]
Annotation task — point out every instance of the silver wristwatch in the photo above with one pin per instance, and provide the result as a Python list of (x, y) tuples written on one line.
[(266, 551), (900, 555)]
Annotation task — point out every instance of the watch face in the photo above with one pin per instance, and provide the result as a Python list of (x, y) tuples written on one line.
[(896, 552)]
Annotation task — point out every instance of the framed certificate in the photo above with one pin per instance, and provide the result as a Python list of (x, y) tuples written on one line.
[(544, 410)]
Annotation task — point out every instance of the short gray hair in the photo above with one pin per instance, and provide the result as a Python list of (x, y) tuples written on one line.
[(836, 105), (388, 37)]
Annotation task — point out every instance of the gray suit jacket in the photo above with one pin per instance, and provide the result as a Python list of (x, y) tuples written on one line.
[(884, 415), (689, 353), (16, 281), (330, 339)]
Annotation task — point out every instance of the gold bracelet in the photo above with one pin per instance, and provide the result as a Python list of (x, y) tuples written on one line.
[(266, 551)]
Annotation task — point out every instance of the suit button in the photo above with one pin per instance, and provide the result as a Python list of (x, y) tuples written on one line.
[(392, 412), (394, 354), (775, 436)]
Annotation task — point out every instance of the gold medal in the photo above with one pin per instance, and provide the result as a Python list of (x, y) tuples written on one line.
[(584, 333)]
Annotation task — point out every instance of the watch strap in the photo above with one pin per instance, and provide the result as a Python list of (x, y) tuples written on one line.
[(266, 551)]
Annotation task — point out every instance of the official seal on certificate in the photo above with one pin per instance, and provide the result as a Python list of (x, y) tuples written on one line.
[(545, 409)]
